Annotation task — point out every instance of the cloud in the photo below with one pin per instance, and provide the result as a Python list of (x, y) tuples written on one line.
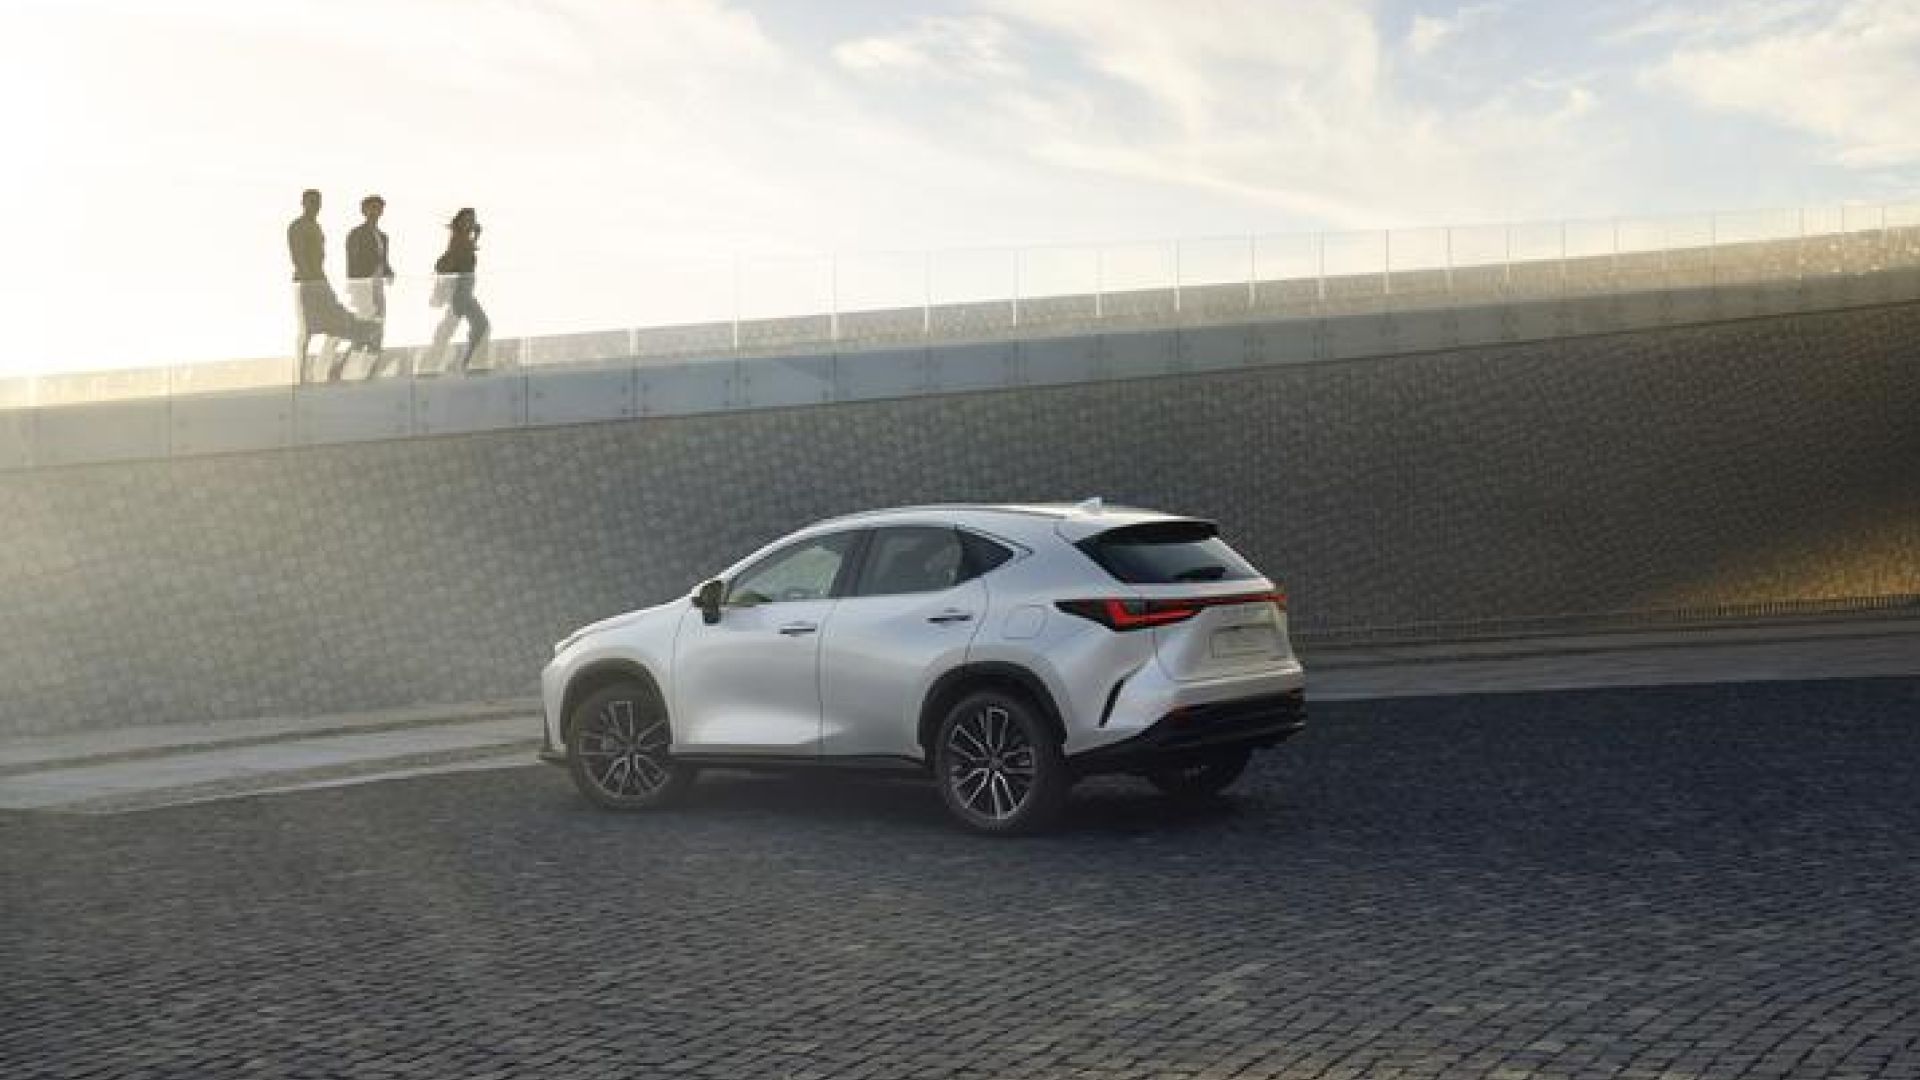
[(1428, 33), (1842, 72), (947, 47), (1662, 19), (1299, 110)]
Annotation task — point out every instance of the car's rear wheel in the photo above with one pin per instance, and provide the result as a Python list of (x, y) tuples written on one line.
[(618, 745), (1204, 778), (999, 767)]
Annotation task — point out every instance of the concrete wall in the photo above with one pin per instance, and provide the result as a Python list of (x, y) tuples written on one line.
[(1766, 460)]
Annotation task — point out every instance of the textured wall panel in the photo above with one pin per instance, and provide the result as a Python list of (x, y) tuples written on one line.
[(106, 431), (1641, 311), (1700, 304), (447, 406), (1134, 356), (1826, 290), (1757, 461), (1489, 325), (886, 373), (1359, 335), (1290, 342), (1425, 331), (1747, 301), (233, 421), (568, 397), (450, 406), (1059, 360), (796, 380), (353, 412), (686, 388), (974, 367), (1537, 320), (1220, 348), (1588, 314)]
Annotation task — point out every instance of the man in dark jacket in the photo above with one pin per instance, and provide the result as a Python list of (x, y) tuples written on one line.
[(305, 242), (368, 270)]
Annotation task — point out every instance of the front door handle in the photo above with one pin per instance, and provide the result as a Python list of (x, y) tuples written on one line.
[(951, 617), (795, 629)]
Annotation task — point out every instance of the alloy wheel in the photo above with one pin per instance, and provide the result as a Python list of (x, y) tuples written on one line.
[(624, 751), (992, 768)]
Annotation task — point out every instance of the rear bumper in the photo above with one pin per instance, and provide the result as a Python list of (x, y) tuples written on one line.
[(1195, 731)]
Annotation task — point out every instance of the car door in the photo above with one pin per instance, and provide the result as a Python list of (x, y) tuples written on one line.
[(909, 615), (750, 683)]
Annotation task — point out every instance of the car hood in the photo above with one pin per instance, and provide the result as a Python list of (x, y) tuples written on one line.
[(618, 621)]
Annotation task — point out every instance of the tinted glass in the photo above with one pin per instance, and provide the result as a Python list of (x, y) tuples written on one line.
[(804, 571), (1167, 553), (911, 559), (983, 555)]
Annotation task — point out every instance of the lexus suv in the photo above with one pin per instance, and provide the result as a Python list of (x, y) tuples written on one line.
[(1004, 650)]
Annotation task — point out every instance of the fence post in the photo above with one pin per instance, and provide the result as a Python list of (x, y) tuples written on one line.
[(1099, 281), (1176, 277), (1016, 288), (1253, 273)]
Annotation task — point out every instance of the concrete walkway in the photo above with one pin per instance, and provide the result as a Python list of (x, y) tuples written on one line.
[(167, 765), (1783, 650)]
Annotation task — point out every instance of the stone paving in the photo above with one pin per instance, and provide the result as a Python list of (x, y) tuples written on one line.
[(1653, 884)]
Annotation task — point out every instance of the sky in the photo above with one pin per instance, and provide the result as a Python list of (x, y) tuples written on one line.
[(618, 150)]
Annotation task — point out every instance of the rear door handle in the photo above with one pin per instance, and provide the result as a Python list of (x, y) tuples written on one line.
[(951, 617), (795, 629)]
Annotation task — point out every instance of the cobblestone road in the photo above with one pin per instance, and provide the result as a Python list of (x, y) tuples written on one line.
[(1666, 883)]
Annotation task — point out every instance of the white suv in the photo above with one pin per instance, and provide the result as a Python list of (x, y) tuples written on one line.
[(1006, 650)]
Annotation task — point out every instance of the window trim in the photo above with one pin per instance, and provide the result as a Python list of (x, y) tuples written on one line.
[(1016, 550), (837, 588), (872, 541)]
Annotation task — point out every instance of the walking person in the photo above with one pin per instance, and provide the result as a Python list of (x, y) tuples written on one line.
[(456, 268), (369, 269), (320, 311)]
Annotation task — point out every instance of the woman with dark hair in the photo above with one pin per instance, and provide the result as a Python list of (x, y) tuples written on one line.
[(455, 267)]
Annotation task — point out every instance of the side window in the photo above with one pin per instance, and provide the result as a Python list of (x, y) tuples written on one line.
[(802, 571), (911, 559), (984, 556)]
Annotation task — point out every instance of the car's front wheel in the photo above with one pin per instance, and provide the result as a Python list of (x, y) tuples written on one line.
[(618, 745), (1201, 779), (1000, 769)]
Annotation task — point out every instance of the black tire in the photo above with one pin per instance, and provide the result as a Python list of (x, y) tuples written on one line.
[(617, 749), (998, 765), (1204, 778)]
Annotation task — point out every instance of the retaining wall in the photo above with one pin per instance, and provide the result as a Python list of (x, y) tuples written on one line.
[(1768, 460)]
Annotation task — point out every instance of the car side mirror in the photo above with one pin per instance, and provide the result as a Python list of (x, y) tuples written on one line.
[(707, 598)]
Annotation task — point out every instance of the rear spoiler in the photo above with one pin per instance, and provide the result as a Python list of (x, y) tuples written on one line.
[(1141, 528)]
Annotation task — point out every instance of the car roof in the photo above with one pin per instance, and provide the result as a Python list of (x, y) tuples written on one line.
[(1074, 521)]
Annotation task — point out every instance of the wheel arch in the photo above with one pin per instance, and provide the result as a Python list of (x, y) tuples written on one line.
[(597, 676), (949, 688)]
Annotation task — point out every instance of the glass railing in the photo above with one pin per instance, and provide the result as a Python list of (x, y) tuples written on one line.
[(1725, 265)]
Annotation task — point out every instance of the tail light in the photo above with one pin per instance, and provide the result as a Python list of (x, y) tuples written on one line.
[(1136, 614)]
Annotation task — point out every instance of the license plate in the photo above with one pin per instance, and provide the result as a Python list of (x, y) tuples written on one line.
[(1243, 640)]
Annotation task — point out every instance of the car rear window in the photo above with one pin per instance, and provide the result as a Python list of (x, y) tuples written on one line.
[(1167, 553)]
